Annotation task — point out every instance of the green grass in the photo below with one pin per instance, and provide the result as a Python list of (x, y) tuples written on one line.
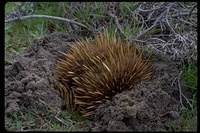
[(190, 76), (20, 35), (34, 120), (189, 115)]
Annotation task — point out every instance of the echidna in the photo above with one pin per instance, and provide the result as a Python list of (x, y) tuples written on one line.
[(93, 72)]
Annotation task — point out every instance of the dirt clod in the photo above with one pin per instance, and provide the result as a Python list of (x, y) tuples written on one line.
[(149, 107), (30, 82)]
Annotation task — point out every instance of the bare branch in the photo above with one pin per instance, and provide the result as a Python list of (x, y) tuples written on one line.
[(117, 22), (166, 17), (133, 13), (149, 9), (176, 44), (192, 9), (180, 92), (61, 121), (150, 28), (30, 130), (187, 22), (183, 14), (46, 17)]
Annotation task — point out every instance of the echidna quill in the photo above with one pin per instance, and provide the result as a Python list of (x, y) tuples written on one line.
[(93, 72)]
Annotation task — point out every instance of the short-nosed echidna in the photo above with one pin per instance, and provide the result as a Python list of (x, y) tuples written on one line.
[(93, 72)]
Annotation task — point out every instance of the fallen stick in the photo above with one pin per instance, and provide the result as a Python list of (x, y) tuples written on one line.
[(20, 18)]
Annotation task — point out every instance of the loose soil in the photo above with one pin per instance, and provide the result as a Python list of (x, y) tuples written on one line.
[(151, 106)]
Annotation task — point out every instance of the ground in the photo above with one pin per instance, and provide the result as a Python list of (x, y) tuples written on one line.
[(151, 106)]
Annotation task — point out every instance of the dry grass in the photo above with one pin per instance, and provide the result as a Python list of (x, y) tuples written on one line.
[(166, 28)]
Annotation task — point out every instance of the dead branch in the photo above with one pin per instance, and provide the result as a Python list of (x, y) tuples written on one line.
[(179, 41), (192, 9), (178, 78), (61, 121), (179, 86), (134, 16), (21, 18), (190, 23), (183, 14), (167, 20), (150, 28), (30, 130), (142, 10), (117, 23)]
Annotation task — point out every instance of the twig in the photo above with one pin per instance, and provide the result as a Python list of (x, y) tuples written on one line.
[(177, 15), (46, 105), (61, 121), (142, 10), (183, 14), (117, 22), (180, 92), (187, 22), (133, 13), (159, 16), (150, 28), (131, 38), (44, 16), (166, 17), (155, 38), (149, 17), (192, 9), (31, 130)]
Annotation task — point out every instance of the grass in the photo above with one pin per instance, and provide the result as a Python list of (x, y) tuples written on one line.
[(34, 120), (189, 115), (20, 35), (190, 76)]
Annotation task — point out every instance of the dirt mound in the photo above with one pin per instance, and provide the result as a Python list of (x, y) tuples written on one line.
[(30, 80), (151, 106)]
